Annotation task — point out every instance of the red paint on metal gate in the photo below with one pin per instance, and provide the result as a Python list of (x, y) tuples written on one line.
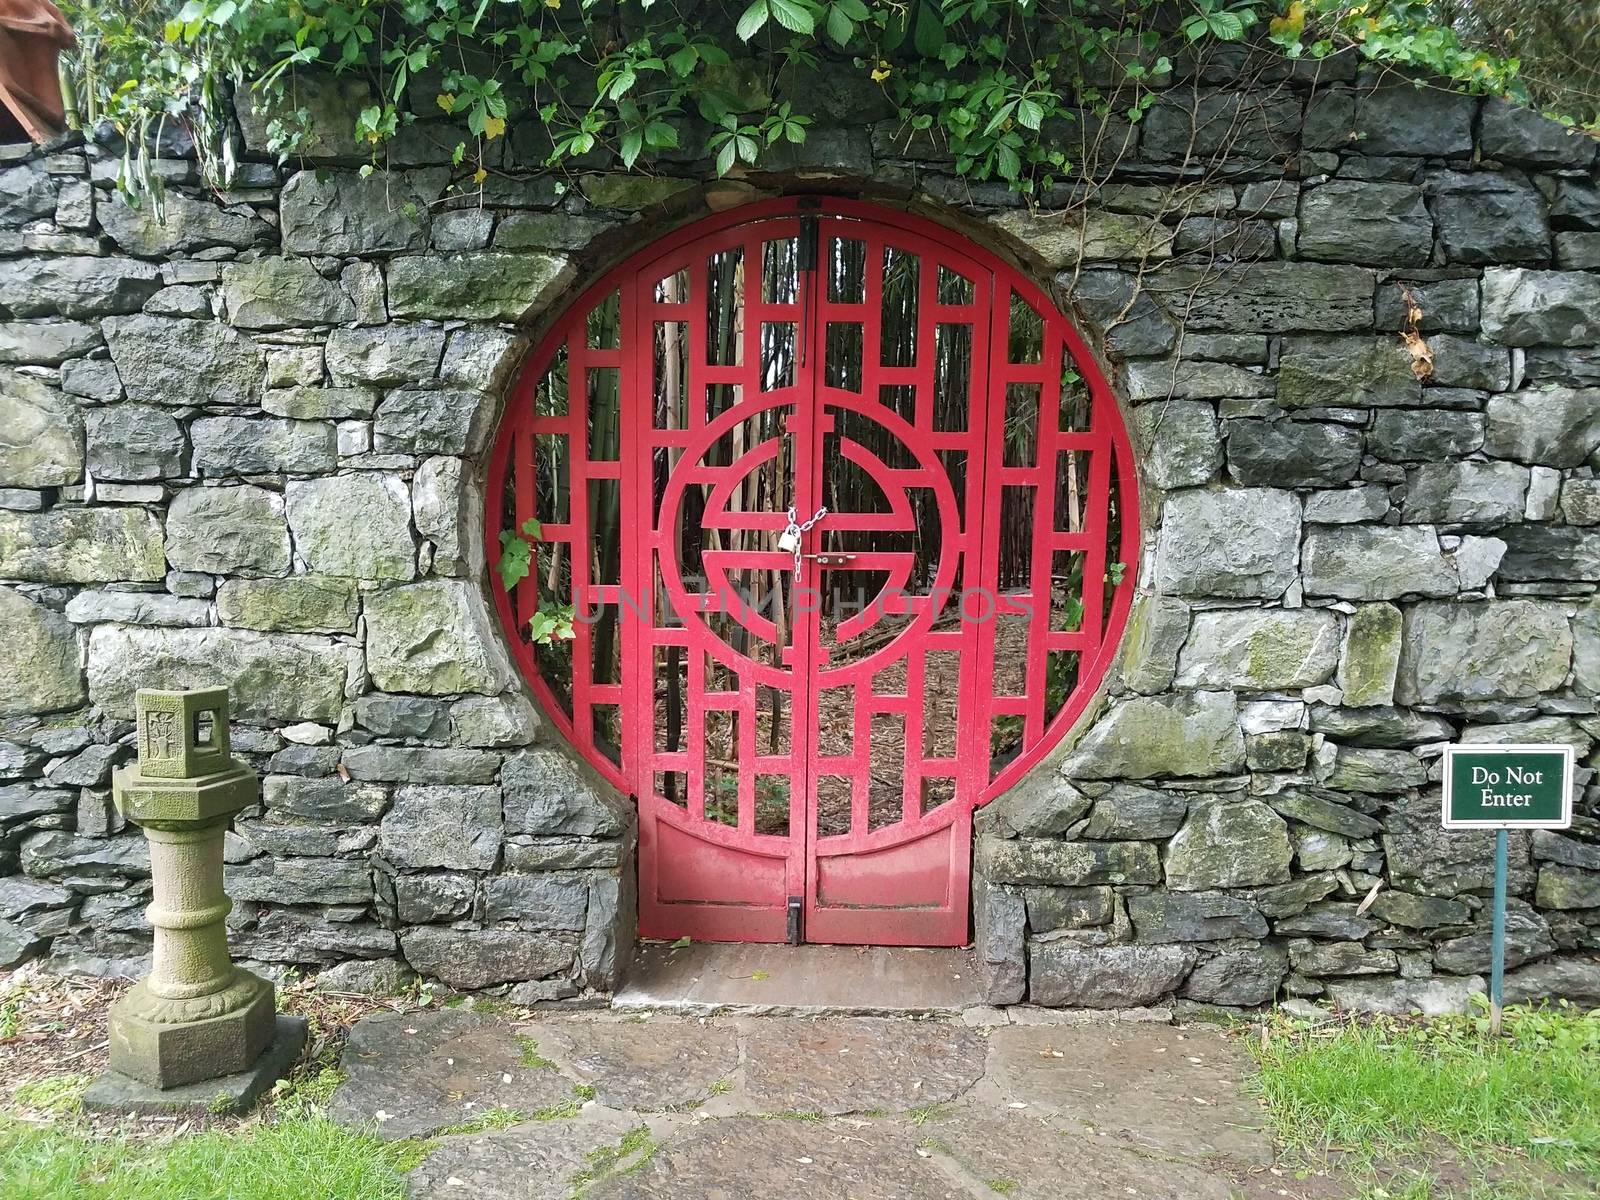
[(822, 738)]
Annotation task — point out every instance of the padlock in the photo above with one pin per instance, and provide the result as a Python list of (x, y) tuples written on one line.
[(789, 540)]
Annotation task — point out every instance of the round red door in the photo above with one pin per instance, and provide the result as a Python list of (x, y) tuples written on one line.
[(839, 508)]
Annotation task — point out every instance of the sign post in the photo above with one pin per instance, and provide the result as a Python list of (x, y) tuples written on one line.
[(1504, 788)]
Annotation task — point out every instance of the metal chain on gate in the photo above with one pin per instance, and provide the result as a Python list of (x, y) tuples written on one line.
[(789, 539)]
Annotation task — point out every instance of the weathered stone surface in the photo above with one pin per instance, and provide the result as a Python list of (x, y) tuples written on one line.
[(496, 721), (537, 901), (1061, 239), (388, 356), (1346, 372), (1292, 453), (1358, 221), (1549, 552), (1232, 542), (38, 658), (1128, 812), (26, 193), (412, 1074), (456, 827), (430, 421), (475, 286), (41, 434), (547, 793), (1488, 218), (1242, 977), (411, 764), (280, 293), (1410, 435), (183, 224), (1469, 493), (1063, 974), (1040, 804), (1181, 445), (1193, 733), (326, 799), (1157, 627), (1555, 427), (1194, 917), (1323, 809), (163, 360), (1567, 887), (1347, 506), (480, 958), (1515, 133), (1260, 649), (1319, 959), (1527, 937), (404, 717), (46, 343), (1523, 307), (431, 638), (1419, 912), (282, 677), (320, 403), (56, 853), (227, 530), (1186, 379), (1370, 658), (357, 525), (1575, 979), (1132, 323), (1051, 863), (339, 213), (1051, 908), (859, 1063), (297, 604), (1363, 769), (226, 446), (71, 286), (82, 545), (1464, 363), (1000, 927), (1268, 297), (278, 879), (436, 507), (134, 442), (1499, 650), (1423, 857), (1376, 562), (1228, 843), (1435, 997)]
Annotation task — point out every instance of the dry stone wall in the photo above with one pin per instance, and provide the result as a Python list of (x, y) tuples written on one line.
[(244, 445)]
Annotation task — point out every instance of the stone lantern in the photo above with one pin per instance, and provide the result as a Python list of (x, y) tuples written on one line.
[(196, 1017)]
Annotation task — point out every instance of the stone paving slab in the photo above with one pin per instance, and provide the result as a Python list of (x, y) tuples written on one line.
[(649, 1065), (541, 1160), (842, 1108), (1163, 1088), (751, 1158), (416, 1073), (857, 1064)]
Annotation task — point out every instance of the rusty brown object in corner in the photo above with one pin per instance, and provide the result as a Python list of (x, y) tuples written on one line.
[(33, 33)]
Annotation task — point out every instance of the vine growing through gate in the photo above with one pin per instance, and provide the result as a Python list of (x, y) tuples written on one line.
[(995, 80)]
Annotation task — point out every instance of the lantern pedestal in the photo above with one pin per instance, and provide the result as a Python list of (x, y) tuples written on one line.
[(196, 1022)]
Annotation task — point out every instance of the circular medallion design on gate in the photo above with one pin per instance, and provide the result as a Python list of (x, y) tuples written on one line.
[(892, 602)]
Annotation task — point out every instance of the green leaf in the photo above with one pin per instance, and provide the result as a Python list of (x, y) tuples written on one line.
[(683, 943), (515, 555), (752, 20), (840, 27), (793, 15), (632, 143), (928, 36)]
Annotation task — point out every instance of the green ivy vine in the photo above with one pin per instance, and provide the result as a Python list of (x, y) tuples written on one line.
[(991, 79)]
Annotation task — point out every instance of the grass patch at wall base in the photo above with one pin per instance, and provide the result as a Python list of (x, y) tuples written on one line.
[(1402, 1089)]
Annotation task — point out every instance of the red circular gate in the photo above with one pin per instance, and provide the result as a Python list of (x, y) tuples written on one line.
[(840, 516)]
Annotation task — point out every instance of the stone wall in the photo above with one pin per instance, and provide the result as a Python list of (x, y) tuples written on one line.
[(245, 445)]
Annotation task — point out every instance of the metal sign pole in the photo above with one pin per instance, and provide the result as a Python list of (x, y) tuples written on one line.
[(1497, 952)]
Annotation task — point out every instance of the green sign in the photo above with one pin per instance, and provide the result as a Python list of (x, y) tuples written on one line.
[(1507, 787)]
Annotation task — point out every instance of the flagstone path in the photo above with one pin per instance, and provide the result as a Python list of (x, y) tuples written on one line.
[(606, 1106)]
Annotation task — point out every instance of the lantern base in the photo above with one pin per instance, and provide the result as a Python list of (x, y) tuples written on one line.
[(226, 1096), (154, 1044)]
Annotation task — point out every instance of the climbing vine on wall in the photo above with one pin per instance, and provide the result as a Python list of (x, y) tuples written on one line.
[(635, 78)]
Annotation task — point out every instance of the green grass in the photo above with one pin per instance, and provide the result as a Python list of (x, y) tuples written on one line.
[(530, 1056), (1409, 1091), (306, 1157), (498, 1117), (636, 1144), (58, 1094)]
